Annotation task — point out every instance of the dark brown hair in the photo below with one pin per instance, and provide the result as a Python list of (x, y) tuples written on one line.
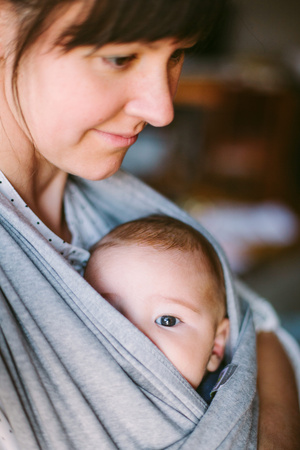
[(166, 233), (116, 21)]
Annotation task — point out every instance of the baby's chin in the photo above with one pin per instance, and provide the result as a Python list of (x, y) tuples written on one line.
[(195, 380)]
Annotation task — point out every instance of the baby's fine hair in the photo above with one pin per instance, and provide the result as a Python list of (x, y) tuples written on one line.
[(166, 233)]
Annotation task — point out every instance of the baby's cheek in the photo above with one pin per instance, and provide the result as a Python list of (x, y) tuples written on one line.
[(180, 354)]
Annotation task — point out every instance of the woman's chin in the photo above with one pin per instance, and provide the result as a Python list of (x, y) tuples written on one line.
[(95, 173)]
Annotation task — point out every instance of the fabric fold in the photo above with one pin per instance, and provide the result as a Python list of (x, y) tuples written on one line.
[(76, 374)]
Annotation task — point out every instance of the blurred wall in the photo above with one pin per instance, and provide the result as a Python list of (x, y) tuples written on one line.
[(271, 26)]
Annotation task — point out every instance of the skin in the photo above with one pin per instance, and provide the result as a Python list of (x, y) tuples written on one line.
[(39, 177), (157, 291), (279, 419), (81, 110)]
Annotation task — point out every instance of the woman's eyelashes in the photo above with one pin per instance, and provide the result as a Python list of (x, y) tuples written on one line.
[(167, 321), (119, 62), (124, 61), (177, 56)]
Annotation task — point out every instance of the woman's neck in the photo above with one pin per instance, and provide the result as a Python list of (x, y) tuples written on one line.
[(46, 201), (42, 188), (38, 182)]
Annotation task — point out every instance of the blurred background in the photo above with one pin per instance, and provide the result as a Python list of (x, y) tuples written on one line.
[(231, 157)]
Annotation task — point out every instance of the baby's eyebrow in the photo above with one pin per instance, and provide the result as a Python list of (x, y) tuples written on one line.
[(185, 303)]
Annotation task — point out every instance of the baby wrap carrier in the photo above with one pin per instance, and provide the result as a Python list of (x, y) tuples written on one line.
[(75, 374)]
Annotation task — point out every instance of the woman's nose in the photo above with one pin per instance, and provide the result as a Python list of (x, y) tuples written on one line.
[(151, 99)]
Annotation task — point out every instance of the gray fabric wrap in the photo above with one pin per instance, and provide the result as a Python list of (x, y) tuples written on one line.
[(75, 374)]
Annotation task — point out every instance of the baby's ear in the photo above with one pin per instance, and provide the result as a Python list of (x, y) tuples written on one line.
[(217, 354)]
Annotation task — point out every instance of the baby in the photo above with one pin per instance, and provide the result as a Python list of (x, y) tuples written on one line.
[(166, 278)]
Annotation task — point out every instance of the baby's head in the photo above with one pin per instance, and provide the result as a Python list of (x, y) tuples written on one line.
[(166, 278)]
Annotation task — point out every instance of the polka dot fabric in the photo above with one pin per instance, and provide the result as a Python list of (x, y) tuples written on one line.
[(74, 253)]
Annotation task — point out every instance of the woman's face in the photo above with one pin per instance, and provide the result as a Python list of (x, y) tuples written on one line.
[(83, 109)]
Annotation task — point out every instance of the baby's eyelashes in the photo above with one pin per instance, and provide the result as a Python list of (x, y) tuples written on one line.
[(167, 321)]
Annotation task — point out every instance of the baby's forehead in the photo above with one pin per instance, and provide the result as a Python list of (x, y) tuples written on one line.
[(195, 256), (194, 259)]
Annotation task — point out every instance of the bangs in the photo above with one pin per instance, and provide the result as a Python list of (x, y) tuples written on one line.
[(124, 21)]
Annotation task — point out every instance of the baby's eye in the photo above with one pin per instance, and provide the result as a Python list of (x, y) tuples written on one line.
[(119, 61), (177, 56), (167, 321)]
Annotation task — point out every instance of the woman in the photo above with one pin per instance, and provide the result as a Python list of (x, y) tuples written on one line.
[(80, 80)]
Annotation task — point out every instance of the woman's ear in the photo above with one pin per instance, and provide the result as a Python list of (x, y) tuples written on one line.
[(218, 350)]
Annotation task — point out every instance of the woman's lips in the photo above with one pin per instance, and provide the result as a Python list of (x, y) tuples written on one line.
[(117, 140)]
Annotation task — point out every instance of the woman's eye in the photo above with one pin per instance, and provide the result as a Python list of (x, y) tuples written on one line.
[(177, 56), (167, 321), (119, 61)]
